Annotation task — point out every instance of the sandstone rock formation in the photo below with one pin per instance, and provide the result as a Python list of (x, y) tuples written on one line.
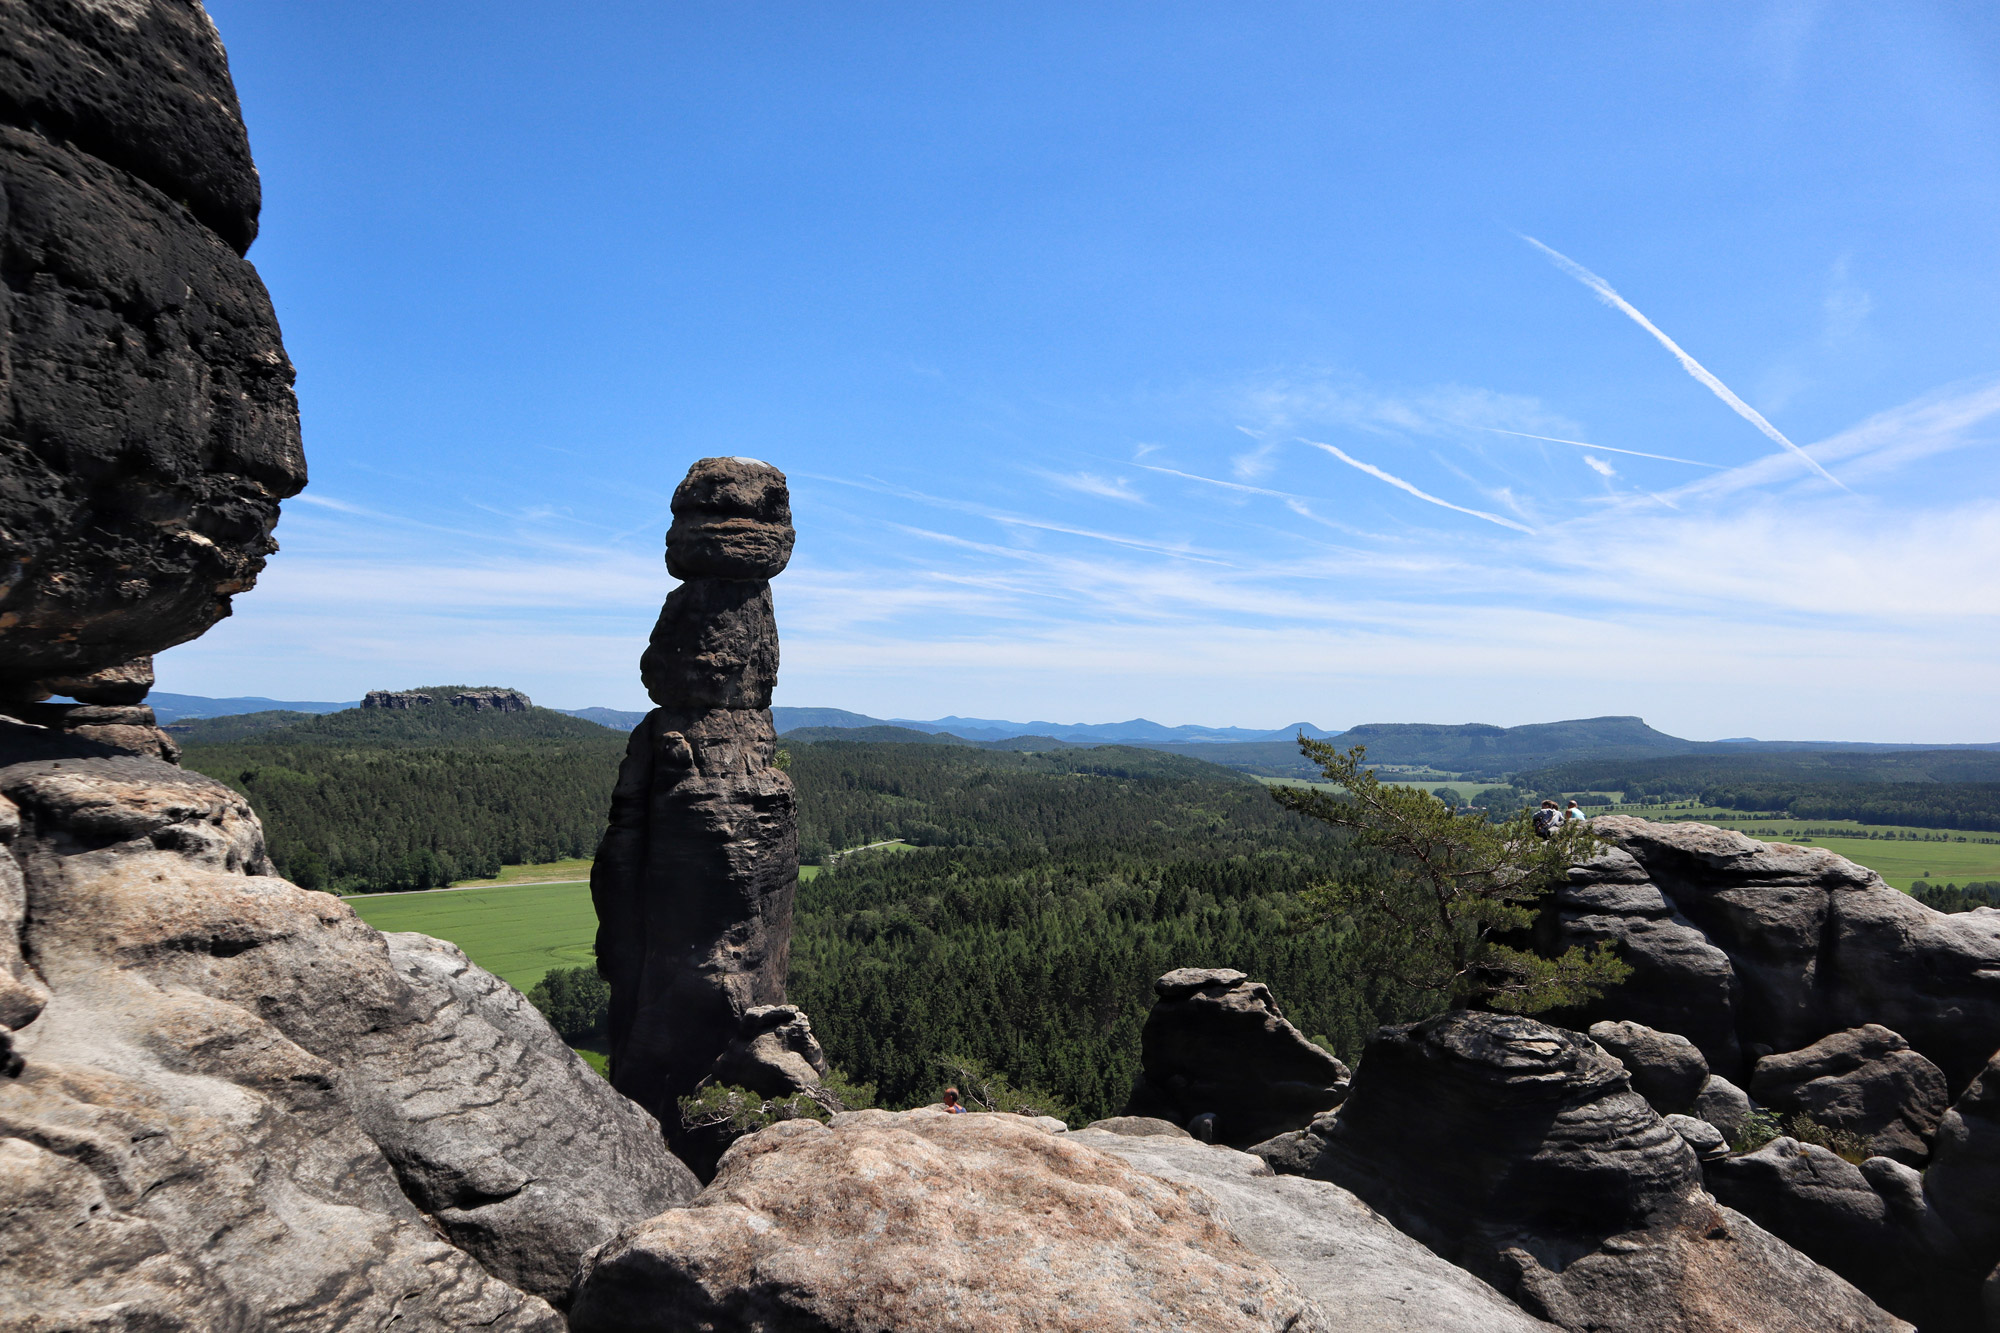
[(1866, 1080), (149, 429), (476, 701), (1666, 1068), (1366, 1276), (1738, 943), (932, 1221), (238, 1105), (1869, 1223), (1724, 1105), (773, 1054), (1520, 1151), (695, 877), (1217, 1044)]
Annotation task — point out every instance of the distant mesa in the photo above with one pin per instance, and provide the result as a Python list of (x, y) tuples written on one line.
[(477, 701)]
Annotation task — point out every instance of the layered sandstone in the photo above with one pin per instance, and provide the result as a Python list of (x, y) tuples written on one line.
[(696, 874)]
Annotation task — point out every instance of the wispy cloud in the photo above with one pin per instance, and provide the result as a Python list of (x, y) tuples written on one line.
[(1599, 466), (1089, 483), (1402, 485), (1701, 373)]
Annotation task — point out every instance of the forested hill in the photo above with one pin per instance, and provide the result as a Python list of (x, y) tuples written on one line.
[(416, 797), (1047, 892)]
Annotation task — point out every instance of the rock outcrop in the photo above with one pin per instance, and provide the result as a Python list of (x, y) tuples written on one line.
[(1666, 1068), (1737, 943), (237, 1105), (931, 1221), (475, 701), (1366, 1276), (1216, 1044), (1869, 1223), (695, 877), (1520, 1151), (149, 428), (1867, 1081)]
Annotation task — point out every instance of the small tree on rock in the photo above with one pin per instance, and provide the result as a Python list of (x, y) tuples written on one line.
[(1450, 885)]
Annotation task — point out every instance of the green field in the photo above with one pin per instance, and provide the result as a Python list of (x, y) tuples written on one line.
[(542, 872), (517, 934)]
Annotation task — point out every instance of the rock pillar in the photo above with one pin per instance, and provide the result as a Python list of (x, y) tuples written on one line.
[(695, 877)]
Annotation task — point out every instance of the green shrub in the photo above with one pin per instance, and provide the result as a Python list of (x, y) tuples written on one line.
[(575, 1000), (1843, 1143), (1758, 1129)]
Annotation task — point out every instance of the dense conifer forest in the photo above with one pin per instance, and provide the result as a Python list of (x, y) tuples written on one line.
[(1049, 892), (412, 798)]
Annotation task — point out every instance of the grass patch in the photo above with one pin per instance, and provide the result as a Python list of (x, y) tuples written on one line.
[(517, 934), (577, 867)]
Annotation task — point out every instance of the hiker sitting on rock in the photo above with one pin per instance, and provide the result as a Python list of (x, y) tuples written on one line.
[(1546, 819), (951, 1105)]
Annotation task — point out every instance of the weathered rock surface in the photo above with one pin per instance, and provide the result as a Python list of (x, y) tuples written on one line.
[(1866, 1080), (1139, 1126), (925, 1220), (1680, 983), (1217, 1043), (774, 1053), (1738, 943), (1520, 1151), (1724, 1105), (1365, 1275), (249, 1108), (148, 429), (1963, 1183), (1883, 1240), (695, 877), (1666, 1068)]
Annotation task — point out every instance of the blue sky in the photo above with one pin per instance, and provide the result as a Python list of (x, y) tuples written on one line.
[(1183, 361)]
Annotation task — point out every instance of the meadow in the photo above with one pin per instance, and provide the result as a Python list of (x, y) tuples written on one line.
[(515, 933)]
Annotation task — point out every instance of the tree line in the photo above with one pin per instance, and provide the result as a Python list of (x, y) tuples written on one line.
[(379, 799)]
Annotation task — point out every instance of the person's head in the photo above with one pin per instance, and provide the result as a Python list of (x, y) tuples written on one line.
[(1548, 805), (1572, 805), (951, 1096)]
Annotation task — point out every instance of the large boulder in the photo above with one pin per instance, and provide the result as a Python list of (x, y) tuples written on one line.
[(925, 1220), (262, 1105), (1666, 1068), (1366, 1276), (1866, 1080), (1520, 1151), (1680, 981), (1869, 1223), (696, 874), (1737, 943), (148, 430), (1962, 1184), (1217, 1044)]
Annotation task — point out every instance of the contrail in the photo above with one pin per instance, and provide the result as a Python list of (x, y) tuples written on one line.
[(1585, 444), (1211, 481), (1402, 485), (1693, 367)]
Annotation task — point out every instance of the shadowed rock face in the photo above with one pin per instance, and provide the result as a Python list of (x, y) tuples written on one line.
[(1866, 1080), (1217, 1044), (1520, 1151), (147, 424), (695, 877)]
